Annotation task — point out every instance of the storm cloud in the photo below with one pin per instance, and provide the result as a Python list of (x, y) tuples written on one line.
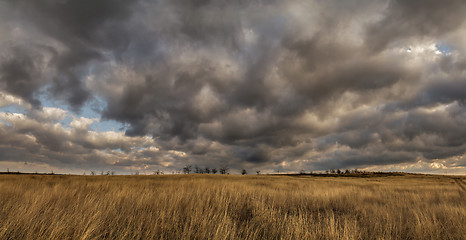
[(275, 85)]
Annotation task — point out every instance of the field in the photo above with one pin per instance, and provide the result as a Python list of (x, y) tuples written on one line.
[(232, 207)]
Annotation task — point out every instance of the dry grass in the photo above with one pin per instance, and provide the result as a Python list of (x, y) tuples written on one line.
[(231, 207)]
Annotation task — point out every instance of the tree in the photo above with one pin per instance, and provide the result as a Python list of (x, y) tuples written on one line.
[(224, 170), (244, 172), (207, 170), (214, 170), (197, 169), (187, 169), (258, 172)]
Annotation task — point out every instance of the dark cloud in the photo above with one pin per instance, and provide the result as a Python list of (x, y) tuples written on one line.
[(415, 19), (38, 134), (276, 84), (85, 31), (18, 72)]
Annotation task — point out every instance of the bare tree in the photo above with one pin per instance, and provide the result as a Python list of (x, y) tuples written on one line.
[(244, 172), (187, 169), (258, 172), (224, 170), (207, 170), (214, 170)]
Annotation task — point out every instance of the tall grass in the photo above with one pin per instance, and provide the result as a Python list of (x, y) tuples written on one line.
[(230, 207)]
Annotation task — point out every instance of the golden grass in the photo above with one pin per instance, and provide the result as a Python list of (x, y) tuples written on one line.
[(231, 207)]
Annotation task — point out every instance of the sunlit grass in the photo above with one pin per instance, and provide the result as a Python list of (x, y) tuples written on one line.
[(231, 207)]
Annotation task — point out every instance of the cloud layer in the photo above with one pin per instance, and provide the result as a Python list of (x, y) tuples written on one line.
[(277, 85)]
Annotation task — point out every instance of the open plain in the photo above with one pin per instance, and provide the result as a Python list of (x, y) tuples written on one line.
[(194, 206)]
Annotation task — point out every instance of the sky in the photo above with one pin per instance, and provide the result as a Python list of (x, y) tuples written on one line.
[(146, 85)]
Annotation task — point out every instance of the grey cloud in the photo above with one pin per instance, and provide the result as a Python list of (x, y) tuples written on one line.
[(311, 73), (86, 29), (24, 138), (252, 83), (259, 155), (418, 19), (18, 74), (350, 159), (444, 92)]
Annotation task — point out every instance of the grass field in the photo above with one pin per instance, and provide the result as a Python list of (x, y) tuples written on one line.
[(232, 207)]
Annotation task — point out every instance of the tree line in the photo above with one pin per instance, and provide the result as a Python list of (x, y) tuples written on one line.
[(205, 170)]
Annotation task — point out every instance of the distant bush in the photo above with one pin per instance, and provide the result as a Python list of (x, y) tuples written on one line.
[(187, 169), (224, 170)]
